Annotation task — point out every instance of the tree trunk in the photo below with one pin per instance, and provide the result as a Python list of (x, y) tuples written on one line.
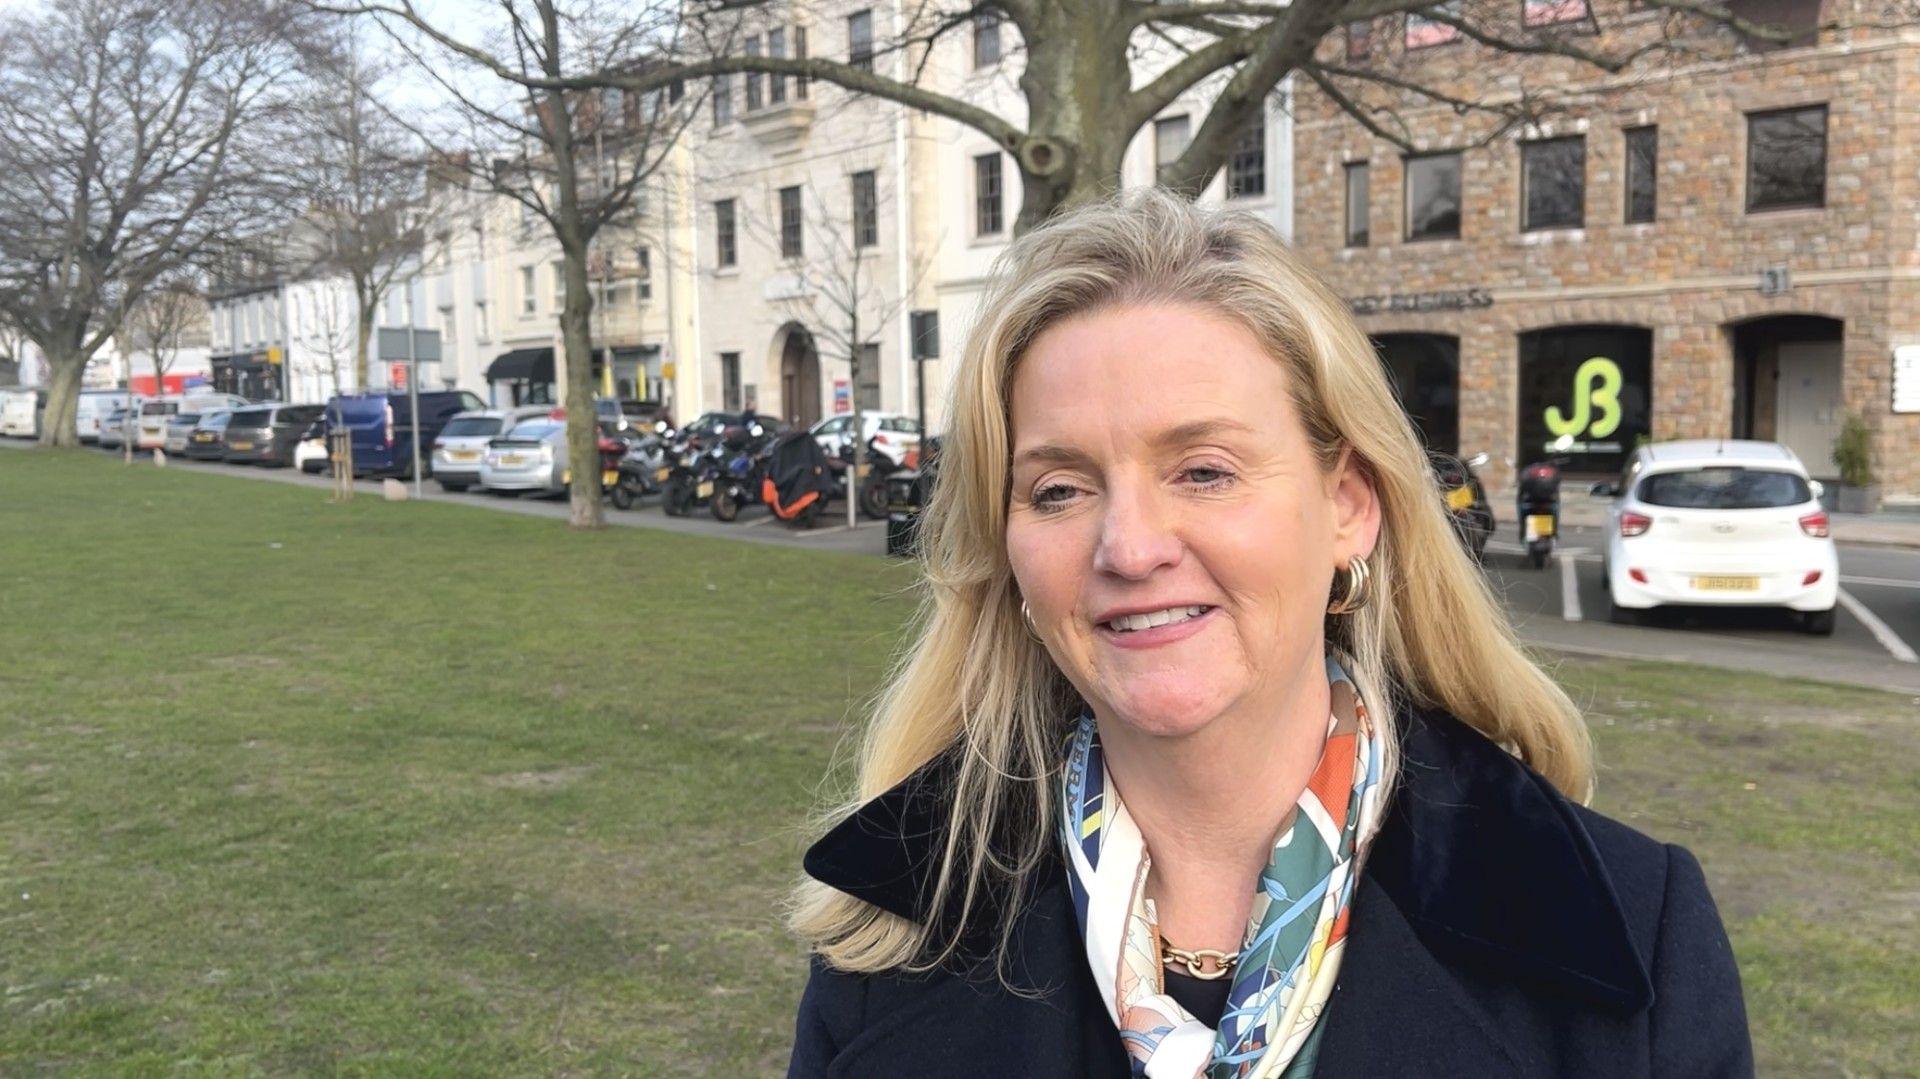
[(583, 432), (64, 371), (363, 341), (1077, 55)]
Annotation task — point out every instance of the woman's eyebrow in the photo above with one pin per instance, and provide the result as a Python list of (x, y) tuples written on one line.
[(1179, 434)]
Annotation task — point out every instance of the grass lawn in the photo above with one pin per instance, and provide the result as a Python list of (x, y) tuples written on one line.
[(424, 789)]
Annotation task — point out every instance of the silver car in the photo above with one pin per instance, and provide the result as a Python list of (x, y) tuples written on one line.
[(179, 426), (530, 457)]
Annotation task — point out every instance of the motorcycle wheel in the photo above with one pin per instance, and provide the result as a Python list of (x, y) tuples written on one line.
[(811, 515), (622, 496), (678, 499), (725, 506), (1537, 555), (873, 499)]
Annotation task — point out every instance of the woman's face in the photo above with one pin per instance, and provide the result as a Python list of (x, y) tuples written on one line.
[(1159, 466)]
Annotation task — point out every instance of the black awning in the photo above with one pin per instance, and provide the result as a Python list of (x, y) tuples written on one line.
[(522, 365)]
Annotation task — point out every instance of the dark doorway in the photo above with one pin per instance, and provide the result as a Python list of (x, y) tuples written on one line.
[(1586, 395), (800, 378), (1786, 385), (1425, 369)]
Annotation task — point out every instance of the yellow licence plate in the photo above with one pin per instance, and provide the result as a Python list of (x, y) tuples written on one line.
[(510, 459), (608, 477), (240, 445), (462, 455), (1726, 584), (1539, 524), (660, 474), (705, 490), (203, 438), (1460, 498)]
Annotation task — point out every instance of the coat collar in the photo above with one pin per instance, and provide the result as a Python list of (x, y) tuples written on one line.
[(1483, 859)]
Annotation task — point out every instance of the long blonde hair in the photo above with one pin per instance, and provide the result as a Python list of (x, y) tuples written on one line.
[(975, 682)]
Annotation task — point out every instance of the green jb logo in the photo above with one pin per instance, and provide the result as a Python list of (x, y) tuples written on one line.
[(1595, 385)]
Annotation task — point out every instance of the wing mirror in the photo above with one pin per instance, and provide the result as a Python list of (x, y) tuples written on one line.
[(1604, 489)]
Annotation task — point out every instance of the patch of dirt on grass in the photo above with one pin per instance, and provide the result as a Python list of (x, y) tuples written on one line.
[(550, 779)]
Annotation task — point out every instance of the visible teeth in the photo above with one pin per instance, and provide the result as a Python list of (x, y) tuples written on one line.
[(1131, 622)]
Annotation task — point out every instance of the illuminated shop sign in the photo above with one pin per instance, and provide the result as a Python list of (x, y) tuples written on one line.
[(1586, 394)]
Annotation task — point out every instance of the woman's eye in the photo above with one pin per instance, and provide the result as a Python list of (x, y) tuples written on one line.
[(1207, 476), (1044, 498)]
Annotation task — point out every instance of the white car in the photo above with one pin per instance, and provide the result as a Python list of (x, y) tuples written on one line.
[(1719, 523), (530, 457), (310, 453), (156, 411), (20, 411), (891, 433), (95, 406)]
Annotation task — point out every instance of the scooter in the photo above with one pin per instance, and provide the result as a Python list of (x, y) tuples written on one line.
[(744, 464), (643, 471), (690, 481), (1466, 500), (1539, 509), (875, 468)]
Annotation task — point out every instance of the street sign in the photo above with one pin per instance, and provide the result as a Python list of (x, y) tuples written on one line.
[(1775, 281), (842, 396), (397, 374)]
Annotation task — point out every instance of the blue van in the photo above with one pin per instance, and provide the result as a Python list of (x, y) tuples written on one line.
[(381, 426)]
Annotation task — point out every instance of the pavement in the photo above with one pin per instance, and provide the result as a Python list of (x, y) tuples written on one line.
[(1559, 608)]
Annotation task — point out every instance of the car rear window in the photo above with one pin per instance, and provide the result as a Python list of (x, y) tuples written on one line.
[(1725, 488), (471, 426), (188, 418), (536, 430), (251, 417), (159, 408)]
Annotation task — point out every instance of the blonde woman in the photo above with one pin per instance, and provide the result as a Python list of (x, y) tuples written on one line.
[(1214, 756)]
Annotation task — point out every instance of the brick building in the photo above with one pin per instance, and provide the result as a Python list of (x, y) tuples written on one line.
[(1703, 246)]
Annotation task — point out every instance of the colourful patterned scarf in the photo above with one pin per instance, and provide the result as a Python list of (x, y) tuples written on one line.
[(1291, 953)]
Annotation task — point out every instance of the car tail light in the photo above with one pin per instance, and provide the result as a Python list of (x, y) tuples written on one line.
[(439, 445), (1634, 524), (389, 425), (1639, 575), (1812, 577), (1815, 524)]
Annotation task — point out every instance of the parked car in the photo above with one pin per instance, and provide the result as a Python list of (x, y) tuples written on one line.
[(381, 426), (1719, 523), (113, 429), (890, 433), (180, 427), (267, 434), (310, 455), (155, 411), (93, 407), (207, 441), (20, 409), (462, 445), (530, 457)]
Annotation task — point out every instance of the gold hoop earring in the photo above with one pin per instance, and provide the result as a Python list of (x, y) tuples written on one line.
[(1027, 617), (1357, 589)]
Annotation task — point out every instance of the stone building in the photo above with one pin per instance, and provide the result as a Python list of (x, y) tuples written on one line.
[(1720, 244)]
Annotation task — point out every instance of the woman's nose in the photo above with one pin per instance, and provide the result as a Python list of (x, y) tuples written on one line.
[(1136, 535)]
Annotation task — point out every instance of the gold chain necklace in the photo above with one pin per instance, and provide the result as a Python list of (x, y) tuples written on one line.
[(1197, 961)]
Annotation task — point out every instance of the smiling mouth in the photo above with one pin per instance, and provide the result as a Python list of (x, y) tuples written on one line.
[(1134, 623)]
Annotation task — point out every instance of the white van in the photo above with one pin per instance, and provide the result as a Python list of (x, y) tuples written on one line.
[(20, 411), (94, 406), (154, 413)]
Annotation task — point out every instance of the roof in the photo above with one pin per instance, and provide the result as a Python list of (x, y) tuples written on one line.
[(1719, 451)]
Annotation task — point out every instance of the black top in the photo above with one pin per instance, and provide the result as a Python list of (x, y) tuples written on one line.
[(1498, 930), (1205, 1000)]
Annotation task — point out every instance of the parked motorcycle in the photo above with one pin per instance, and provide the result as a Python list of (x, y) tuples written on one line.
[(1466, 499), (742, 469), (1539, 509), (643, 470), (875, 469), (690, 480)]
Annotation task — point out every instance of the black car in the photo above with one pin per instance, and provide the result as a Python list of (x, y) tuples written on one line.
[(208, 440), (908, 492), (267, 434)]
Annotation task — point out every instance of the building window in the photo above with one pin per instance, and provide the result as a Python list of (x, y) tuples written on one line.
[(1549, 12), (1360, 39), (1170, 135), (643, 277), (986, 38), (1787, 158), (867, 385), (722, 99), (799, 53), (1553, 183), (1247, 165), (730, 380), (1643, 156), (726, 243), (1359, 214), (988, 218), (529, 299), (792, 236), (1423, 32), (777, 83), (1433, 197), (482, 329), (860, 40), (754, 77), (866, 210)]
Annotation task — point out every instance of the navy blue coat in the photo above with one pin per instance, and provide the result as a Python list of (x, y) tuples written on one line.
[(1498, 930)]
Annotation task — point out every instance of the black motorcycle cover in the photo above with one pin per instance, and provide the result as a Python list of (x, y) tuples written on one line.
[(797, 475)]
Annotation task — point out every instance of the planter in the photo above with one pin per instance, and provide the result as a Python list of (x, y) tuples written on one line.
[(1858, 499)]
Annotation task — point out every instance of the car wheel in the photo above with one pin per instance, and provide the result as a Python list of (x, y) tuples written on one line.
[(1818, 623), (1625, 616)]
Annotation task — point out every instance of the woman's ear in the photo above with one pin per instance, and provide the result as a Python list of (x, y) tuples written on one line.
[(1356, 507)]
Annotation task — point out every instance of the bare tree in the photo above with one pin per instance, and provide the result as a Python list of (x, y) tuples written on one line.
[(156, 326), (331, 334), (834, 287), (1073, 64), (573, 160), (120, 163)]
